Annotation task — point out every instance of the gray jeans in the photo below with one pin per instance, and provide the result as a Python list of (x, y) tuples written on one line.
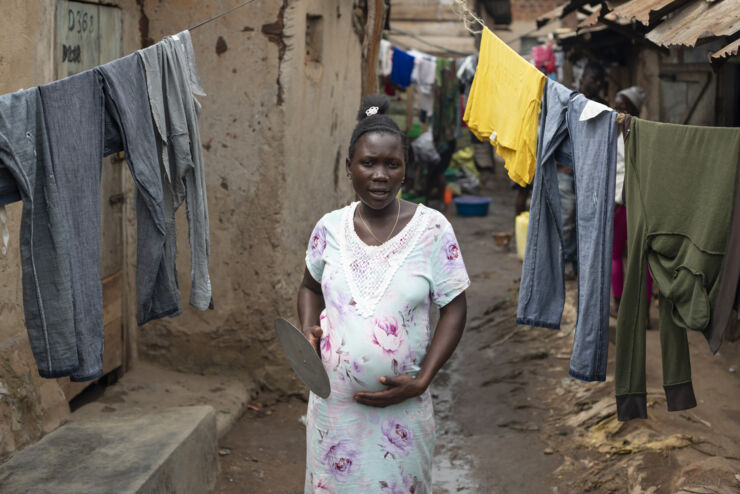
[(172, 81), (591, 145), (567, 192), (44, 237)]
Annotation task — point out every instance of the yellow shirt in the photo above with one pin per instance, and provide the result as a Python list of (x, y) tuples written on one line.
[(504, 105)]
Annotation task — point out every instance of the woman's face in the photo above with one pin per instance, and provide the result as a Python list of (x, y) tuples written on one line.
[(377, 168)]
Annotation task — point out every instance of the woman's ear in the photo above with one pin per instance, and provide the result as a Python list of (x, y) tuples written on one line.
[(346, 166)]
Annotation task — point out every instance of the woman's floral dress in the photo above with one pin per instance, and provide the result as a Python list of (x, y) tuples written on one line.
[(376, 323)]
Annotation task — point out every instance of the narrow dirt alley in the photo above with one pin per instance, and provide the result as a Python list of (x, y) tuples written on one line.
[(508, 417)]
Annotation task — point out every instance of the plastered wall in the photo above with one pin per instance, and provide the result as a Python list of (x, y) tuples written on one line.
[(274, 128)]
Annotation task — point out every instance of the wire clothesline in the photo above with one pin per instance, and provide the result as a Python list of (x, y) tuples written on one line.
[(218, 16)]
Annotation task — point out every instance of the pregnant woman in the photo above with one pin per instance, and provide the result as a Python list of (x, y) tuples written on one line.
[(373, 269)]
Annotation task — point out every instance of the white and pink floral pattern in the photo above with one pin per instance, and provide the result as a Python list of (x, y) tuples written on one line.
[(376, 323)]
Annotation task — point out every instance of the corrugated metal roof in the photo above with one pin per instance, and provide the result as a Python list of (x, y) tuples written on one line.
[(640, 10), (555, 13), (728, 51), (697, 20), (590, 20)]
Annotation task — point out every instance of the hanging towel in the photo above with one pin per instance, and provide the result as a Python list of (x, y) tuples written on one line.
[(403, 65), (504, 104)]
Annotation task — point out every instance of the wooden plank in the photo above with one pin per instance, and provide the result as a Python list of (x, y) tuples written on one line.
[(422, 13), (433, 28)]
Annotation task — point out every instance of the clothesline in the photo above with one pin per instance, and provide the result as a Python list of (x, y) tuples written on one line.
[(218, 16)]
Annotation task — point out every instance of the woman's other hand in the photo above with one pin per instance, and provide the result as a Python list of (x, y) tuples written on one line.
[(400, 388), (313, 335)]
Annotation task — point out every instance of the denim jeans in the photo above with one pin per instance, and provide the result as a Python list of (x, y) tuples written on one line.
[(172, 82), (44, 238), (591, 146), (567, 191)]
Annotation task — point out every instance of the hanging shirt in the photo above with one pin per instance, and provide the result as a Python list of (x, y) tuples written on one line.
[(619, 185), (678, 220), (79, 134), (423, 76), (403, 65), (125, 83), (504, 104), (172, 83), (582, 133), (48, 305), (385, 58)]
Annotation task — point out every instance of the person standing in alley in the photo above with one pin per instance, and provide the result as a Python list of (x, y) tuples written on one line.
[(628, 101), (373, 269)]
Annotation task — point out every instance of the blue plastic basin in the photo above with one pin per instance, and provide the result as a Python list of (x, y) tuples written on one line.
[(472, 205)]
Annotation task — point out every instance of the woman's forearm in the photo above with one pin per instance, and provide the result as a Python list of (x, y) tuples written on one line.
[(446, 337), (310, 302)]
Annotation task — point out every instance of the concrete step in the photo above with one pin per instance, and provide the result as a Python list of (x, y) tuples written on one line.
[(169, 451)]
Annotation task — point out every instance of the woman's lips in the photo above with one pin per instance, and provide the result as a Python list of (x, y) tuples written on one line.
[(379, 193)]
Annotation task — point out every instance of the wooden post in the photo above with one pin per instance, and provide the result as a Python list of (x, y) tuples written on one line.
[(409, 108), (377, 19)]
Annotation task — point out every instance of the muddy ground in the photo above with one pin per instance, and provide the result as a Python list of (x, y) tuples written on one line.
[(510, 420)]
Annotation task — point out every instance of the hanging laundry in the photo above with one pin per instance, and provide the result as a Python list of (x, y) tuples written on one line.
[(385, 58), (446, 116), (503, 105), (728, 295), (173, 82), (669, 200), (424, 77), (403, 65), (125, 85), (466, 71), (44, 236), (75, 116), (582, 134)]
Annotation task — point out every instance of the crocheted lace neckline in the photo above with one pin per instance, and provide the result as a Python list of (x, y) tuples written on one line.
[(369, 269)]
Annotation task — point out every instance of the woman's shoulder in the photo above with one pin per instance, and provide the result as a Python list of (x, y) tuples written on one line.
[(434, 219)]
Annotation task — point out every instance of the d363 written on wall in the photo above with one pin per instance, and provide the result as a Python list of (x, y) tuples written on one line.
[(80, 22)]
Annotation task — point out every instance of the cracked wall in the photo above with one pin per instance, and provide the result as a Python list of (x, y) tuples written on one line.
[(273, 127)]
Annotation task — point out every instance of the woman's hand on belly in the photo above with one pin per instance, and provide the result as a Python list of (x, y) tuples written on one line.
[(400, 388)]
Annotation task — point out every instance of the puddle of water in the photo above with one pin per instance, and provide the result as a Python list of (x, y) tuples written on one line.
[(452, 470)]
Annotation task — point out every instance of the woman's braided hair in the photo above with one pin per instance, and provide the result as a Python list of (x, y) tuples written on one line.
[(372, 118)]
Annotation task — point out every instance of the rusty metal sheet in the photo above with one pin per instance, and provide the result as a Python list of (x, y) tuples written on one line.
[(591, 20), (728, 51), (698, 19), (555, 13), (640, 10)]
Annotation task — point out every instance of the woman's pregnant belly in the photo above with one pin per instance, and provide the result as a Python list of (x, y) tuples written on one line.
[(357, 357)]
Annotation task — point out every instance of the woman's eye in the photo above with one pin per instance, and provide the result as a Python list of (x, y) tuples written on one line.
[(394, 164)]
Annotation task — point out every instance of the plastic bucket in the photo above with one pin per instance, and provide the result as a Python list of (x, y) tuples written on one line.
[(472, 205), (520, 227)]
